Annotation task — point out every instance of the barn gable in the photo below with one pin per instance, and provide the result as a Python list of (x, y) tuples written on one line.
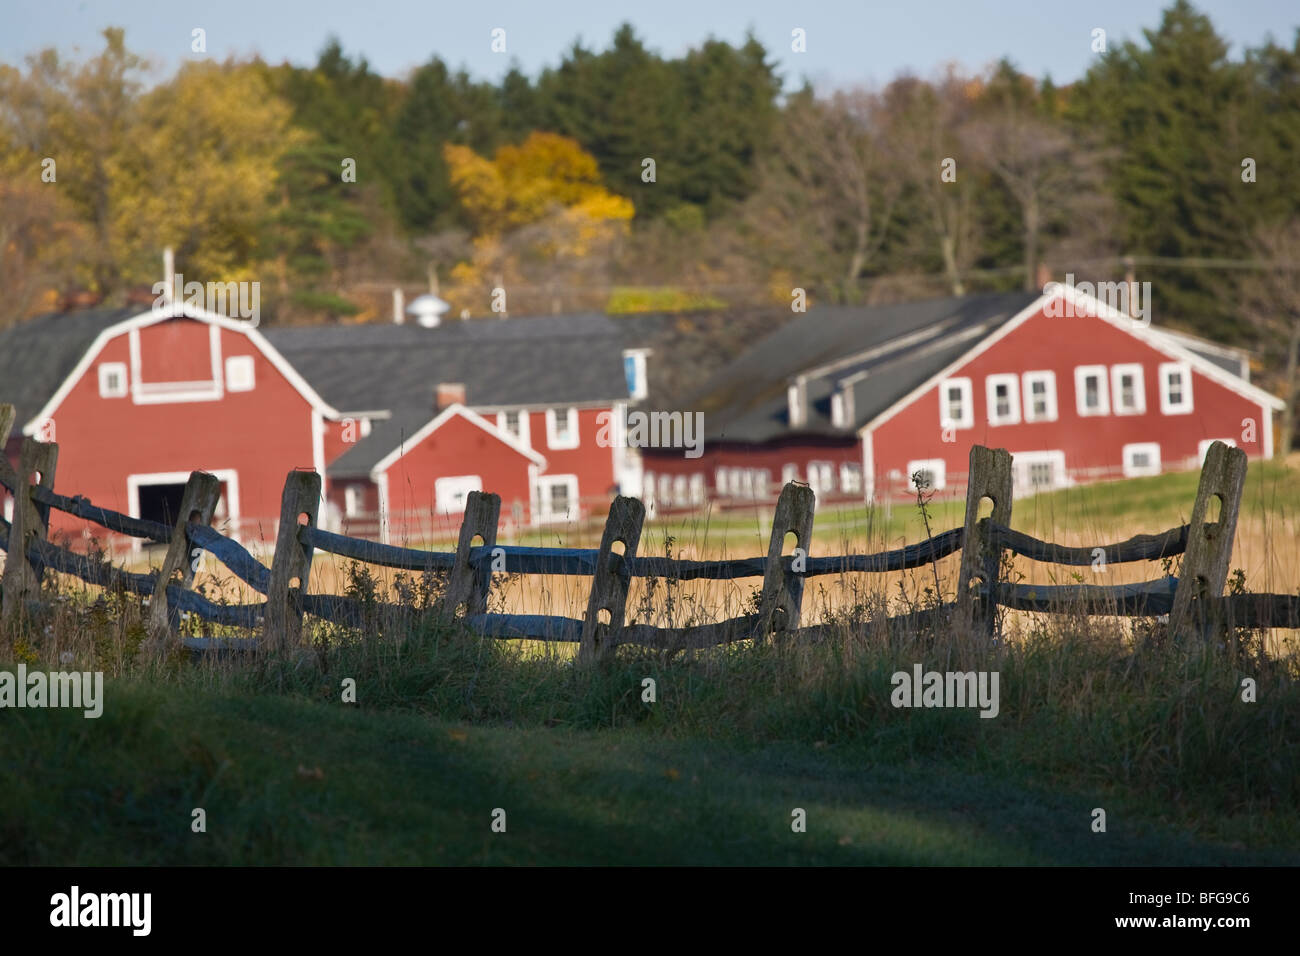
[(1076, 391), (43, 349)]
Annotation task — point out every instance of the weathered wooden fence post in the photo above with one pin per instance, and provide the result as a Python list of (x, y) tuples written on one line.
[(7, 415), (609, 587), (1209, 546), (467, 585), (22, 578), (989, 477), (283, 628), (198, 502), (782, 596)]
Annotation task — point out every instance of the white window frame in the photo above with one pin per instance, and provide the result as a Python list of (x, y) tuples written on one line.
[(1027, 393), (819, 470), (524, 437), (681, 491), (794, 397), (1185, 406), (544, 483), (648, 488), (1135, 471), (697, 494), (967, 419), (936, 466), (351, 501), (1081, 374), (789, 473), (241, 373), (641, 387), (552, 438), (1023, 460), (1012, 382), (453, 486), (850, 477), (1203, 447), (1139, 389), (123, 383)]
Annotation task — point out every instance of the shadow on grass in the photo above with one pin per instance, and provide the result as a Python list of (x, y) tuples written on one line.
[(291, 781)]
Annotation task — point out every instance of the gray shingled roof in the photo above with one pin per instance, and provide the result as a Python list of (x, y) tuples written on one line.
[(37, 355), (746, 401), (546, 360)]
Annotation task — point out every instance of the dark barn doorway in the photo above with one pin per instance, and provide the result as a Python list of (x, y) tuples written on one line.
[(161, 503)]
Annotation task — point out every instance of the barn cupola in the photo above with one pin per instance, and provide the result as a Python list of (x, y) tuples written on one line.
[(427, 310)]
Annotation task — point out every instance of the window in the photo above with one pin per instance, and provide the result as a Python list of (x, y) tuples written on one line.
[(666, 489), (747, 483), (680, 491), (795, 401), (1090, 393), (648, 488), (557, 497), (1038, 470), (634, 372), (1142, 458), (842, 408), (789, 473), (821, 476), (851, 478), (697, 489), (932, 472), (1128, 390), (239, 373), (1203, 447), (562, 428), (450, 494), (956, 409), (720, 479), (112, 380), (514, 424), (352, 501), (1040, 396), (762, 478), (1175, 388), (1004, 399)]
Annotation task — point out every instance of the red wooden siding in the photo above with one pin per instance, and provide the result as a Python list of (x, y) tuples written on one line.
[(260, 434), (456, 448), (1090, 443)]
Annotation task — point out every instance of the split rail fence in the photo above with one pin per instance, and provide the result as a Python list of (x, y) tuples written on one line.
[(1194, 602)]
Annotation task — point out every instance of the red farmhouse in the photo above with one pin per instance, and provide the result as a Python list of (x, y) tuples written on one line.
[(855, 401)]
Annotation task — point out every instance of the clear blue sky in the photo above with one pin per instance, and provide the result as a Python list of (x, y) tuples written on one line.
[(849, 42)]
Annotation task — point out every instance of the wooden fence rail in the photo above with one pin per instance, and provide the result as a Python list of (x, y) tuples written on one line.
[(1196, 598)]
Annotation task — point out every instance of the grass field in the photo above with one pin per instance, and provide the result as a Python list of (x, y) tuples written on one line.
[(447, 728)]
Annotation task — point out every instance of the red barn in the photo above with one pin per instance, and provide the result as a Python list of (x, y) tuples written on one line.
[(857, 400), (543, 384), (138, 401), (415, 416)]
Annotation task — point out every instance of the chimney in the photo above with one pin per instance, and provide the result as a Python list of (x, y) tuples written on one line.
[(1130, 280), (169, 274), (399, 307), (448, 393), (1043, 277)]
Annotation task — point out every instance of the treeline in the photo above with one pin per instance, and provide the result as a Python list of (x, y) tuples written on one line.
[(623, 179)]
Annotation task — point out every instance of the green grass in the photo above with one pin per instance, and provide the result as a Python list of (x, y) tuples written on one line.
[(446, 729), (408, 789), (449, 727)]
